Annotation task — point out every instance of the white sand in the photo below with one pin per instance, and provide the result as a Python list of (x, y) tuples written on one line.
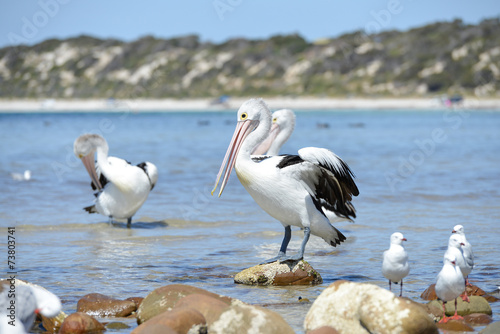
[(274, 103)]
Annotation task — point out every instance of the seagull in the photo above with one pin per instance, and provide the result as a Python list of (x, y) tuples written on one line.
[(291, 188), (395, 265), (29, 300), (121, 187), (281, 130), (449, 285), (455, 244), (26, 176), (466, 250)]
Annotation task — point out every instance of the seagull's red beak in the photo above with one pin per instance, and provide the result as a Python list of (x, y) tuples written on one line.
[(243, 129), (453, 231), (404, 239)]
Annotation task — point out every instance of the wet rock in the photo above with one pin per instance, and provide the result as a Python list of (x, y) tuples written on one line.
[(244, 318), (279, 273), (493, 328), (100, 305), (324, 330), (52, 325), (179, 320), (115, 325), (165, 298), (478, 319), (477, 305), (210, 308), (455, 326), (136, 300), (366, 308), (79, 323), (430, 293)]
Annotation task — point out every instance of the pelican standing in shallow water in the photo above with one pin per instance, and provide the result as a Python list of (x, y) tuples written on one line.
[(291, 188), (281, 129), (121, 187)]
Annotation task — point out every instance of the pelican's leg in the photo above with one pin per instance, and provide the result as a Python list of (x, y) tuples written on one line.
[(284, 246), (390, 287), (129, 222), (110, 220), (401, 292), (300, 254)]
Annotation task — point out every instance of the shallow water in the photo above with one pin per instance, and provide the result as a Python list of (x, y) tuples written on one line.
[(419, 172)]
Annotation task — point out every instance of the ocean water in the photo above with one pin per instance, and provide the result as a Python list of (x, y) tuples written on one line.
[(419, 172)]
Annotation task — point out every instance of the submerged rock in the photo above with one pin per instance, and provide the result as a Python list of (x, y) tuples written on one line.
[(477, 305), (178, 320), (455, 326), (366, 308), (244, 318), (79, 322), (100, 305), (165, 298), (279, 273), (478, 319)]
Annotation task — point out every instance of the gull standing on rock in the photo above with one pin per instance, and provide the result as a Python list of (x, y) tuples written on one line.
[(121, 187), (395, 265), (466, 250), (449, 285), (455, 244), (291, 188)]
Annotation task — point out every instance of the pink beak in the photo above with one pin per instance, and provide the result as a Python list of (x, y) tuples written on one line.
[(243, 129), (88, 162)]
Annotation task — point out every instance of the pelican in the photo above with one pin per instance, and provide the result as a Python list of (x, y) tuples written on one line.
[(291, 188), (281, 129), (121, 187)]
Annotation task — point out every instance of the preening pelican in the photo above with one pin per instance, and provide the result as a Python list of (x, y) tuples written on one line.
[(291, 188), (121, 187), (281, 130)]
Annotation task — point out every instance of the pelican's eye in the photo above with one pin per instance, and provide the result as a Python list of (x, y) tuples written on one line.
[(275, 120), (244, 116)]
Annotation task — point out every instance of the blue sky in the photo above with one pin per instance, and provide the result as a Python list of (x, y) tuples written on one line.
[(30, 22)]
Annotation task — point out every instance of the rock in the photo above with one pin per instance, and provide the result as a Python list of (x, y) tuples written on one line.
[(279, 273), (493, 328), (478, 319), (52, 325), (211, 308), (165, 298), (324, 330), (477, 305), (100, 305), (366, 308), (179, 320), (79, 323), (136, 300), (115, 325), (455, 326), (244, 318), (430, 293)]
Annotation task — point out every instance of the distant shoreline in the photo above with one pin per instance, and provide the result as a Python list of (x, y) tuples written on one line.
[(299, 103)]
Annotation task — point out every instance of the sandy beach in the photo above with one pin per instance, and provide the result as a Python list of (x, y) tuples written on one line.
[(298, 103)]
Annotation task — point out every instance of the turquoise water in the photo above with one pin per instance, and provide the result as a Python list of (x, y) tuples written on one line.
[(419, 172)]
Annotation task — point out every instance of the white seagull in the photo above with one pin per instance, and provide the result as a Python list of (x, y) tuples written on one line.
[(291, 188), (29, 300), (395, 265), (466, 250), (455, 244), (281, 130), (449, 285), (121, 187)]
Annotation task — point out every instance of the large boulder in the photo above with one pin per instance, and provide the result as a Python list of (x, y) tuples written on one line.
[(477, 304), (210, 307), (366, 308), (241, 318), (80, 323), (178, 320), (165, 298), (100, 305), (279, 273)]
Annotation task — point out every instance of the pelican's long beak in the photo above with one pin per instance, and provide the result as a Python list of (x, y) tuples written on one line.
[(88, 162), (243, 129), (266, 144)]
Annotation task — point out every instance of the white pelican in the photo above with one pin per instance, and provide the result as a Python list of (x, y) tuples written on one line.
[(395, 265), (121, 187), (281, 129), (291, 188), (466, 250), (449, 285)]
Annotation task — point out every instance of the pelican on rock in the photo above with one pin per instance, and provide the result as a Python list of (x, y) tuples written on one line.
[(291, 188), (121, 187)]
